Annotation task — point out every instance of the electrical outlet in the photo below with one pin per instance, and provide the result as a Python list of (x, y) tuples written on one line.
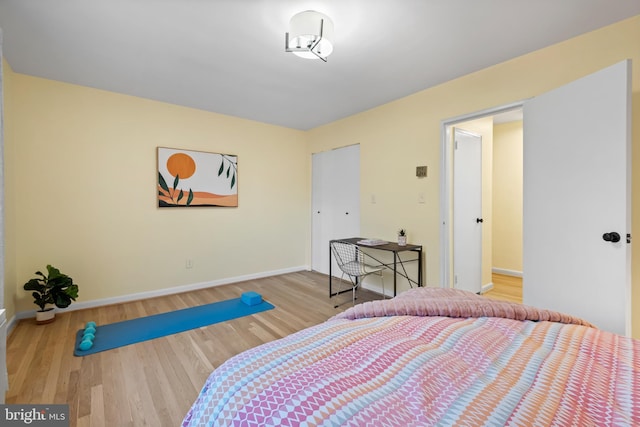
[(188, 263)]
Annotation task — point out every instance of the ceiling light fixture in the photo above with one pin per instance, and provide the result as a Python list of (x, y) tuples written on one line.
[(310, 35)]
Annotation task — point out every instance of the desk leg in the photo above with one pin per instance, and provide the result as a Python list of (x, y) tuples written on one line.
[(330, 275), (395, 271), (420, 267)]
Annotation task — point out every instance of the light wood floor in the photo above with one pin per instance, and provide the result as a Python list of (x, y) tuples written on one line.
[(155, 382), (507, 288)]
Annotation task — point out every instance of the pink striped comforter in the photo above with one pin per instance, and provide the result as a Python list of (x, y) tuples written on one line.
[(431, 357)]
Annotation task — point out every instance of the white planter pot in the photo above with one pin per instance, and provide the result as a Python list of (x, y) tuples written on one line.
[(402, 240), (48, 315)]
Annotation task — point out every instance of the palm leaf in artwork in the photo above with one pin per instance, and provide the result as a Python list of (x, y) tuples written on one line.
[(190, 197), (180, 196), (229, 173), (162, 183), (176, 181)]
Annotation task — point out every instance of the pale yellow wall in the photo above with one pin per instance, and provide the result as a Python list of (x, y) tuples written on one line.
[(398, 136), (507, 196), (484, 128), (85, 200), (9, 195)]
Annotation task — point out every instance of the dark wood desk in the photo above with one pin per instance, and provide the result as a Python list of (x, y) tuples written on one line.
[(397, 260)]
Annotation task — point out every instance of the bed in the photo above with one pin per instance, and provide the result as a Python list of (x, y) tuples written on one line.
[(431, 357)]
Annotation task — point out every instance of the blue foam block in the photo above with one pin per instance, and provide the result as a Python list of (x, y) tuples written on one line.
[(251, 298)]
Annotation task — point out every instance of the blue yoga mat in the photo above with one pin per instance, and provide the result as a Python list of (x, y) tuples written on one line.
[(133, 331)]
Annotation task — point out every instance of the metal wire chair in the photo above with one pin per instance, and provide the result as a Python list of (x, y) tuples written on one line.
[(350, 260)]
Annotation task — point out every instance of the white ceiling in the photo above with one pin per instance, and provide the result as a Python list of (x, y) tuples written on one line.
[(227, 56)]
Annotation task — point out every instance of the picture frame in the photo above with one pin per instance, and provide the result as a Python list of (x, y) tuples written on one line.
[(190, 178)]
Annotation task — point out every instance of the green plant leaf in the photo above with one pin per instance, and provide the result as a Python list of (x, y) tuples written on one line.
[(34, 285), (180, 196), (72, 291), (162, 182), (175, 182), (62, 300), (233, 180), (228, 170), (61, 281), (190, 197), (53, 272), (39, 300), (221, 168)]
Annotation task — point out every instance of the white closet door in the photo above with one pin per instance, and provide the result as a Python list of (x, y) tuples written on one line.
[(319, 172), (335, 201)]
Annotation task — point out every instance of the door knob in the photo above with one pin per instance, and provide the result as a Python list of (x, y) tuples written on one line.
[(479, 220), (612, 237)]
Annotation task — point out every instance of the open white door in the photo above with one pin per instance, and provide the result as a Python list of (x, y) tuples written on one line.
[(467, 211), (577, 192)]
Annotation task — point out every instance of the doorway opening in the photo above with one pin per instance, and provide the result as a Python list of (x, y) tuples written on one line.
[(576, 194), (499, 220)]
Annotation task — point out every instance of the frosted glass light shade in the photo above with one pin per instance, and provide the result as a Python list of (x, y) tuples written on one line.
[(304, 32)]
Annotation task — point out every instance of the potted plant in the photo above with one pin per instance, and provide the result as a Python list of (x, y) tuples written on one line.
[(53, 289), (402, 237)]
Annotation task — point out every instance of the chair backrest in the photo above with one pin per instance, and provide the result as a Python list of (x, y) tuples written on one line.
[(348, 256)]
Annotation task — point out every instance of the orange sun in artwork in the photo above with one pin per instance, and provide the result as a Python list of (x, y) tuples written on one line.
[(181, 165)]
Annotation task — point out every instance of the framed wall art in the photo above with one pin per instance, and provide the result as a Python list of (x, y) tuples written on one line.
[(189, 178)]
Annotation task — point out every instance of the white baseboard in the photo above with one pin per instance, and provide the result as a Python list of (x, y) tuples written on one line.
[(486, 288), (158, 293), (11, 323), (506, 272)]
